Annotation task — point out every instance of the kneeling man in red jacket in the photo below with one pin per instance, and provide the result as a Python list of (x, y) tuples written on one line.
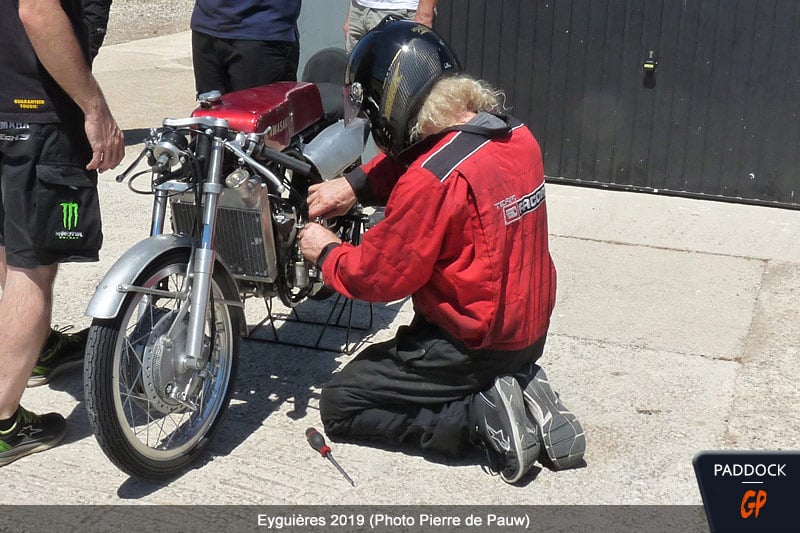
[(465, 234)]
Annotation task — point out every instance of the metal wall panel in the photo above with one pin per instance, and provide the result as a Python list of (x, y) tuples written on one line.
[(718, 117)]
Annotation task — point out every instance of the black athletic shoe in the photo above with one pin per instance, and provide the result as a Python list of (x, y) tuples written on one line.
[(61, 352), (498, 414), (31, 433), (559, 430)]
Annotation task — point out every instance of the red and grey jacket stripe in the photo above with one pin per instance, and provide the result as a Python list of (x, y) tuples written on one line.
[(464, 144)]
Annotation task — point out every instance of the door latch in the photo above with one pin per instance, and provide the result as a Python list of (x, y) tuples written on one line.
[(650, 62), (649, 67)]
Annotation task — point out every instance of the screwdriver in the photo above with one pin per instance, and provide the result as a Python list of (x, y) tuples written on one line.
[(317, 441)]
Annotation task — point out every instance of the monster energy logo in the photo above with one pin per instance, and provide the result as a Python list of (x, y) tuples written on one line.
[(69, 214), (69, 219)]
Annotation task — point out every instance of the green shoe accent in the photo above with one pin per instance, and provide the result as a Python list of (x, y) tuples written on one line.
[(10, 430), (31, 433), (13, 430), (62, 352)]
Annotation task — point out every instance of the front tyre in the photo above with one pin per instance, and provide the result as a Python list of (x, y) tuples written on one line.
[(150, 415)]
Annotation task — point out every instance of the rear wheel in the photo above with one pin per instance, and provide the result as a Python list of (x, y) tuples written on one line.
[(152, 417)]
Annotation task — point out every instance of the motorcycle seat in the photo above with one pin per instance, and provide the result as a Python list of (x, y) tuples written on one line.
[(332, 105), (326, 69)]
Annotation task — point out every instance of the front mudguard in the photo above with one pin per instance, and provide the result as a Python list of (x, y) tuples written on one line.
[(108, 296)]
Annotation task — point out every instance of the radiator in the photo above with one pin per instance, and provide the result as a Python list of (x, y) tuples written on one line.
[(243, 237)]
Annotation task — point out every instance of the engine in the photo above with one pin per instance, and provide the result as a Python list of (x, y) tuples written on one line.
[(259, 220)]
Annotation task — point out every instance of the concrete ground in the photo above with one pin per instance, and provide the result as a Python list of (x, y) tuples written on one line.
[(675, 331)]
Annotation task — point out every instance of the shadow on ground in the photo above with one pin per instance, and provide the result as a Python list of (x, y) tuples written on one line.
[(270, 374)]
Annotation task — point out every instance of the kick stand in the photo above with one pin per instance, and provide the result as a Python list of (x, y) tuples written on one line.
[(329, 325)]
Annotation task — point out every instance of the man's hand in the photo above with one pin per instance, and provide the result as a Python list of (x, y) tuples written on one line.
[(330, 198), (425, 12), (106, 139), (314, 238)]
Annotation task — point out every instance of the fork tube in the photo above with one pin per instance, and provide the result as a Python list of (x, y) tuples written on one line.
[(204, 258), (159, 213)]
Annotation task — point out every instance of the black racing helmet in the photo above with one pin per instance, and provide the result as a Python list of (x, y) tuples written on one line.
[(389, 73)]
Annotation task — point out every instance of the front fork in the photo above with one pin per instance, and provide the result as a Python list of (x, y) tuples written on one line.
[(197, 283), (202, 264)]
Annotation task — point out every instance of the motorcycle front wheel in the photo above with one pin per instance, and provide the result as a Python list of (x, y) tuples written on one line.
[(132, 370)]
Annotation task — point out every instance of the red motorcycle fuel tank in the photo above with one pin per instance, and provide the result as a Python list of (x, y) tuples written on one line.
[(286, 107)]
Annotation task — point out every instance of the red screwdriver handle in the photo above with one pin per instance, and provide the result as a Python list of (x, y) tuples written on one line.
[(317, 441)]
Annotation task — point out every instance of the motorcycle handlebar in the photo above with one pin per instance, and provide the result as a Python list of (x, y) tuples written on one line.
[(263, 151), (295, 165)]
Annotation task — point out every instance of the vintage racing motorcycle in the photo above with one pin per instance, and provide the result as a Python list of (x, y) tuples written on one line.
[(232, 180)]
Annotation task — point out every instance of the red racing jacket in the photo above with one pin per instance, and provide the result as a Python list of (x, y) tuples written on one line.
[(464, 233)]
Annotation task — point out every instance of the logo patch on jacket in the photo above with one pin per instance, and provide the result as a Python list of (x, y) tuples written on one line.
[(514, 209)]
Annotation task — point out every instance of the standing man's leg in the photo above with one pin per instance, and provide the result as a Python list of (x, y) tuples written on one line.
[(25, 311), (356, 26), (32, 221), (209, 68), (362, 19)]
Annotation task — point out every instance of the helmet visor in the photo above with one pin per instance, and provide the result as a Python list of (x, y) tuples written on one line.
[(353, 97)]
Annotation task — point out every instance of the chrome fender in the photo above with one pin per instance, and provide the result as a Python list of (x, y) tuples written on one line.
[(107, 299)]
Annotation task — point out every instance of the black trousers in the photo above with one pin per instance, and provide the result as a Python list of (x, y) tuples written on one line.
[(415, 389), (230, 65)]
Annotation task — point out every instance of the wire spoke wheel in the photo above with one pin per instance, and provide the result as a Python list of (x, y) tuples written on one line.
[(152, 413)]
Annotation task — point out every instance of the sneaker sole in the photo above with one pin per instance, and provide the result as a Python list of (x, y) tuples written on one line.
[(527, 441), (39, 380), (561, 434), (24, 451)]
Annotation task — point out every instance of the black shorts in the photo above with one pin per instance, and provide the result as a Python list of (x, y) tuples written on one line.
[(49, 208)]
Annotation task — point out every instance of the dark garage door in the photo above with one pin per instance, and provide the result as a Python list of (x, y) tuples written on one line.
[(691, 97)]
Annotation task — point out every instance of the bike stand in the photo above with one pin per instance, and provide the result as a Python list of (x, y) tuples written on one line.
[(342, 303), (358, 223)]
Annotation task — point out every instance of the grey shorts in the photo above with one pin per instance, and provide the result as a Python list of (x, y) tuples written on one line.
[(362, 19), (49, 208)]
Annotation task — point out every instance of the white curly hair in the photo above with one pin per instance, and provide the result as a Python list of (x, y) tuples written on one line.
[(449, 99)]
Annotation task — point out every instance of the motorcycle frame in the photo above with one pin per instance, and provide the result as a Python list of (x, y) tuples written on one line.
[(203, 257)]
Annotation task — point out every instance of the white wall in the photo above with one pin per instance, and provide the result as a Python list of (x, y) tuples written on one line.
[(320, 27)]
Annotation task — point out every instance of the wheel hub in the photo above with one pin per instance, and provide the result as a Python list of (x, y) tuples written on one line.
[(160, 364)]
